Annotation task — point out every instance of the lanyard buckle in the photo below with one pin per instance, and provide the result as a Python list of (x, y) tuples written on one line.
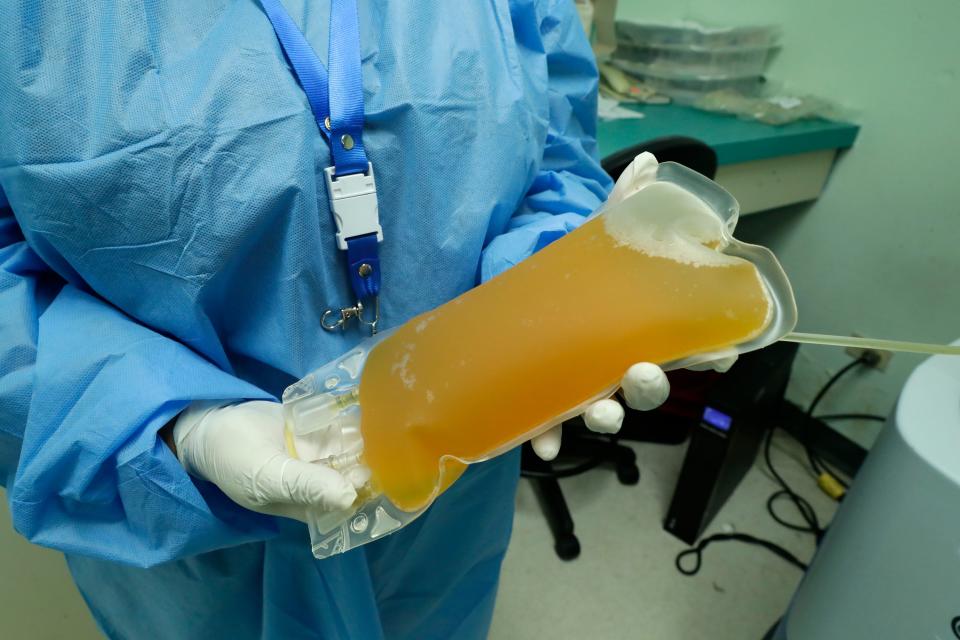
[(349, 313), (353, 202)]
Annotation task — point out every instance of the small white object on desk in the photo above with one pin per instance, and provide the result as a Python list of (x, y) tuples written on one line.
[(610, 109)]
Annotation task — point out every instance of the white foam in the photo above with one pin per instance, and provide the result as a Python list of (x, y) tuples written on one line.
[(423, 323), (666, 221), (400, 368)]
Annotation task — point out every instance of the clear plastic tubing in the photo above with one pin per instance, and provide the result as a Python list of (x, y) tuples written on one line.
[(872, 343)]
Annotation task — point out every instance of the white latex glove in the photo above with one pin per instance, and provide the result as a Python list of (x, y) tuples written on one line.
[(240, 448), (645, 385)]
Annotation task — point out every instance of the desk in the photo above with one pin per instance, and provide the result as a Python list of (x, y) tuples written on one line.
[(763, 166)]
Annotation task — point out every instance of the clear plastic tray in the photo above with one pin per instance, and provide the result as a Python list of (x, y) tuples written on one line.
[(690, 90), (690, 34), (695, 62), (323, 411)]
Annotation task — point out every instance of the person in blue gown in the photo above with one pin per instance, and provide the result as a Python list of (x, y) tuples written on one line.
[(165, 239)]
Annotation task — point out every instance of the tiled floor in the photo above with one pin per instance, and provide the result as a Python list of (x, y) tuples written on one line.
[(624, 585)]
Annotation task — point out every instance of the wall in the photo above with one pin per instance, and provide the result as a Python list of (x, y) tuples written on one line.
[(38, 600), (877, 254)]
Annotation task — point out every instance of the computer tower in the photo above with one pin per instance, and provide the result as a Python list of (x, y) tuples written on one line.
[(739, 409)]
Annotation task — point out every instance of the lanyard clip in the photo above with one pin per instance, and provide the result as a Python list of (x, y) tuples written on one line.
[(353, 202), (349, 313)]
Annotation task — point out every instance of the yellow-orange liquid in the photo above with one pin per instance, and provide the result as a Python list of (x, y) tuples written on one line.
[(488, 368)]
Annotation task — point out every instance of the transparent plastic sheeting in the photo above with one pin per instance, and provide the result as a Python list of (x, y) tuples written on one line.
[(324, 412)]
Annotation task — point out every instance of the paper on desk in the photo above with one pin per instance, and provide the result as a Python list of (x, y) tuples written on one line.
[(610, 109)]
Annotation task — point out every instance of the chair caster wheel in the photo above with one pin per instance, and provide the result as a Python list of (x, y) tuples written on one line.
[(567, 547), (628, 474)]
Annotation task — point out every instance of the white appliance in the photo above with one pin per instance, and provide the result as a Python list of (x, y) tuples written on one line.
[(889, 567)]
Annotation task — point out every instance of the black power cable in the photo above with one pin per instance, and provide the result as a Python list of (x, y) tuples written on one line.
[(697, 551), (852, 416), (804, 508), (815, 462)]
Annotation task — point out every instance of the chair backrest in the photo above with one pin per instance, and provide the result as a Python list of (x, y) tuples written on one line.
[(689, 152)]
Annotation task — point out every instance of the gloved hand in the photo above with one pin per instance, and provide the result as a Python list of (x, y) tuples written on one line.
[(644, 386), (240, 448)]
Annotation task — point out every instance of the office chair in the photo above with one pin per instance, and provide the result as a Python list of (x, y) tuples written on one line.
[(582, 449), (689, 152)]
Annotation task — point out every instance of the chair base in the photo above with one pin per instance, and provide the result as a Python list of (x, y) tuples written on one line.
[(598, 450)]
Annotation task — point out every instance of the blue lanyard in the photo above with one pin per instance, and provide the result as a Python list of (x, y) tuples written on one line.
[(337, 104)]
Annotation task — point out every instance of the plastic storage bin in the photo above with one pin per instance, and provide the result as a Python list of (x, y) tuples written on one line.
[(694, 35), (688, 90), (696, 61)]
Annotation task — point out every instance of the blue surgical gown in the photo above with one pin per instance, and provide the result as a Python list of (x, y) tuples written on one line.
[(165, 237)]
